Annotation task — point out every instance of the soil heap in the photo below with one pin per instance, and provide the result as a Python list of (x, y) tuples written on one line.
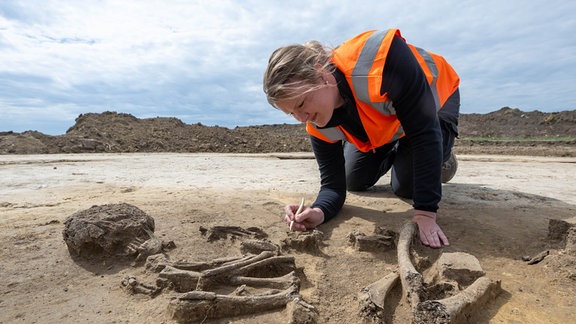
[(506, 131)]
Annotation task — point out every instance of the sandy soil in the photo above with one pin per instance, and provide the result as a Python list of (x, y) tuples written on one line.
[(496, 208)]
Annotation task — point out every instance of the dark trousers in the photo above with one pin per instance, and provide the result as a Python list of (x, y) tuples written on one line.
[(363, 170)]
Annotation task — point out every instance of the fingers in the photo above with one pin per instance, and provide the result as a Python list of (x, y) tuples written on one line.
[(297, 227), (291, 211), (434, 241), (443, 238), (426, 238), (293, 225), (433, 238), (307, 218)]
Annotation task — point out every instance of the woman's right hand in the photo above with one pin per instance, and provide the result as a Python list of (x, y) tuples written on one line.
[(308, 218)]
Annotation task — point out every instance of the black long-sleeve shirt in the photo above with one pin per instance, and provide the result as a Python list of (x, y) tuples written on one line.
[(405, 84)]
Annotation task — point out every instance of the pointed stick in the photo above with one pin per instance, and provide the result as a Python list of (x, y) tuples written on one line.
[(297, 213)]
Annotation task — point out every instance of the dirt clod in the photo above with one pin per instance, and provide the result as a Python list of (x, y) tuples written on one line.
[(112, 230)]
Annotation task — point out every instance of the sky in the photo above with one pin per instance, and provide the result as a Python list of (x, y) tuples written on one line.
[(203, 61)]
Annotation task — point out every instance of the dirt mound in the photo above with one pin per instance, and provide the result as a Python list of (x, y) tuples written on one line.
[(514, 123), (553, 135), (119, 132)]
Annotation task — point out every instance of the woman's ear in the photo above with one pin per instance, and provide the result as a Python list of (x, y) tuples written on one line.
[(328, 78)]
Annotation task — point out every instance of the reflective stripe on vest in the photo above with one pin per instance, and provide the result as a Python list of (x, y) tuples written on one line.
[(433, 70), (362, 69), (363, 74)]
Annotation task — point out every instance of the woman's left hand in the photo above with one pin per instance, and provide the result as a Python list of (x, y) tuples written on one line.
[(430, 233)]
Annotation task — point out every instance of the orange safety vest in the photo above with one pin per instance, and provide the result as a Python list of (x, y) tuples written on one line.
[(362, 59)]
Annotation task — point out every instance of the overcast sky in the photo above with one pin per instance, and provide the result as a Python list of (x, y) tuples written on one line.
[(202, 61)]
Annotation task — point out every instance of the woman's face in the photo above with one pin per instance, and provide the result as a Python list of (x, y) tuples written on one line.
[(315, 106)]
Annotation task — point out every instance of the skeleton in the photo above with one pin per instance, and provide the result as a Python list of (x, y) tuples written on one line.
[(452, 309), (268, 274), (262, 279)]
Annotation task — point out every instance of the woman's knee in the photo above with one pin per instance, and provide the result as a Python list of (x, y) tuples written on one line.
[(402, 191), (356, 184)]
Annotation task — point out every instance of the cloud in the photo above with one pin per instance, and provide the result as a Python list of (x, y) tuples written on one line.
[(203, 61)]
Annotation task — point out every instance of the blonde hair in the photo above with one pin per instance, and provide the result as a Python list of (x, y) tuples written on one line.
[(296, 70)]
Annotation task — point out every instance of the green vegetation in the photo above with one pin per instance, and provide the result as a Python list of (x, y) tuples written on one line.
[(518, 139)]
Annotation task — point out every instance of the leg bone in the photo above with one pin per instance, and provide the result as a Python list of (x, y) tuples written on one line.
[(458, 308), (412, 281), (196, 306)]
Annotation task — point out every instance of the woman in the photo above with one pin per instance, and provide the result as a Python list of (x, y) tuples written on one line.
[(373, 104)]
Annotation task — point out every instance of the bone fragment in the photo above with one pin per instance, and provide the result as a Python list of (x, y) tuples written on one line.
[(197, 306), (242, 267), (283, 282), (284, 261), (374, 242), (301, 312), (538, 257), (231, 232), (236, 264), (458, 308), (378, 290), (257, 246), (412, 281), (157, 262), (134, 286), (183, 280)]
